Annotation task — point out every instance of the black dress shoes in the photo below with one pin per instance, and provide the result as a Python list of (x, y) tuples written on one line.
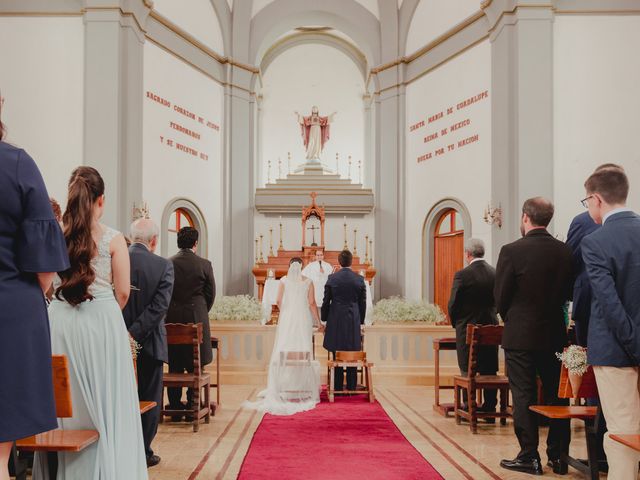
[(532, 467), (558, 466), (152, 461)]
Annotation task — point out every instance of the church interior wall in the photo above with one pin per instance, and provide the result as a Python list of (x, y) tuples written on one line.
[(462, 172), (596, 105), (432, 18), (197, 17), (42, 82), (190, 167)]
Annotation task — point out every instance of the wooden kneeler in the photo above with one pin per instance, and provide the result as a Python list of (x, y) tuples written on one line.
[(60, 440), (354, 360)]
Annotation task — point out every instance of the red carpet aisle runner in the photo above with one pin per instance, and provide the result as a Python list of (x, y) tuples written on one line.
[(348, 439)]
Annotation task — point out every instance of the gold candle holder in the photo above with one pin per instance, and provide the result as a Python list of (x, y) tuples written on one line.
[(279, 168), (360, 171), (355, 241), (346, 245), (271, 242), (337, 163), (288, 163), (280, 247), (349, 171), (366, 249), (256, 249), (261, 256), (269, 171), (370, 252)]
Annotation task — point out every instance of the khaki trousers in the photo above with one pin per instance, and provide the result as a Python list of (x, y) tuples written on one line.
[(619, 392)]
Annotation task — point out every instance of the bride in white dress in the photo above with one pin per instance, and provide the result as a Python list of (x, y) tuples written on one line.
[(293, 384)]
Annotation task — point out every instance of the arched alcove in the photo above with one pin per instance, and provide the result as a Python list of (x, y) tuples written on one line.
[(177, 212), (430, 232)]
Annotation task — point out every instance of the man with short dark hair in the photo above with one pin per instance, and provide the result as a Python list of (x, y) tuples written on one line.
[(343, 309), (612, 259), (193, 295), (472, 302), (533, 281)]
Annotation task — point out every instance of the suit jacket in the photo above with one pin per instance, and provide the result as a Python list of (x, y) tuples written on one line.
[(344, 308), (193, 296), (581, 226), (145, 312), (533, 281), (612, 258), (472, 302)]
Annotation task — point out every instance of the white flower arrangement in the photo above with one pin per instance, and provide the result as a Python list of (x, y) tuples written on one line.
[(135, 347), (574, 358), (401, 310), (238, 308)]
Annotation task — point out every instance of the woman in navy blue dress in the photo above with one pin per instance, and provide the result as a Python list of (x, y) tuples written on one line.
[(32, 249)]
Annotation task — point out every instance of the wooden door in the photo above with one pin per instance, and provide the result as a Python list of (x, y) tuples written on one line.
[(448, 256)]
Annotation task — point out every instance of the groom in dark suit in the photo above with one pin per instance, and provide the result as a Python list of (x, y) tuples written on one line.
[(343, 310), (144, 315)]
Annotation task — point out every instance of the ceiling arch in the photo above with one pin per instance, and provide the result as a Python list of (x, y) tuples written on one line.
[(316, 38), (347, 16)]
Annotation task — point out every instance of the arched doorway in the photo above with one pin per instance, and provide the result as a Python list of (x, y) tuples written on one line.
[(448, 246), (177, 214)]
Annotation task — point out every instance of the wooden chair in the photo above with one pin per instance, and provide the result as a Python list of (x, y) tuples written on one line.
[(59, 440), (360, 370), (189, 334), (351, 359), (589, 415), (478, 336)]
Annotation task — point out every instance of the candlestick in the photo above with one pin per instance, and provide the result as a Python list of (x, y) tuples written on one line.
[(360, 171), (349, 172), (269, 171), (271, 242), (346, 245), (337, 163), (261, 257), (366, 249), (279, 168), (370, 252), (288, 164), (355, 236), (256, 249), (280, 247)]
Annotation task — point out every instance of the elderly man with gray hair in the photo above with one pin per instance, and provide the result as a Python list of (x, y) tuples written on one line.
[(472, 302), (151, 289)]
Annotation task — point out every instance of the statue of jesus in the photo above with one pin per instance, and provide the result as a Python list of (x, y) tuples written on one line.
[(315, 132)]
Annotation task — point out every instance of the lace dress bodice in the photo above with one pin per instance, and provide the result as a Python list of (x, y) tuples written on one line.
[(101, 263)]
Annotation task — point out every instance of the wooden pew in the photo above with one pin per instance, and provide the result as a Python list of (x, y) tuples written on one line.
[(589, 415), (631, 441), (60, 440)]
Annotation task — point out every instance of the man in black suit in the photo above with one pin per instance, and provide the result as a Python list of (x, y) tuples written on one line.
[(533, 281), (144, 315), (193, 296), (343, 309), (612, 259), (472, 302)]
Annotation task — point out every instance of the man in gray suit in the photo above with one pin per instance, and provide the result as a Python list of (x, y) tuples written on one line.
[(144, 315), (612, 259)]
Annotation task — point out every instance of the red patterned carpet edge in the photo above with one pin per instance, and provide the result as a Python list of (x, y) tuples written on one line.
[(348, 439)]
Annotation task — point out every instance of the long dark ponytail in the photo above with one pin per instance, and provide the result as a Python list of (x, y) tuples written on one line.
[(85, 187)]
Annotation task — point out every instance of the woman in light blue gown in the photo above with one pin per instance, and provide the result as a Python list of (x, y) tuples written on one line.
[(87, 326)]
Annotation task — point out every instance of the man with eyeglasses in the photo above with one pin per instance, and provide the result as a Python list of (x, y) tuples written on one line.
[(612, 260)]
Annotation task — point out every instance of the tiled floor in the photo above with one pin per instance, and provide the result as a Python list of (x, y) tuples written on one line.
[(217, 450)]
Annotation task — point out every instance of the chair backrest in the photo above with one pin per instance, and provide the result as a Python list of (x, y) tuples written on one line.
[(186, 334), (481, 335), (588, 387), (351, 356), (61, 386)]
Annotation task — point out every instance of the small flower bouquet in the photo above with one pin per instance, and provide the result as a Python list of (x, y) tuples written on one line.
[(399, 310), (135, 347), (574, 358)]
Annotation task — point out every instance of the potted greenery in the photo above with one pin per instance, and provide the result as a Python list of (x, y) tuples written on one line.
[(395, 310), (236, 309)]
